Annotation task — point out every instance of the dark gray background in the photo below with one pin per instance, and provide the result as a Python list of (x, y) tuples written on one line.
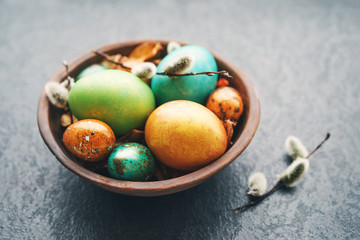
[(303, 58)]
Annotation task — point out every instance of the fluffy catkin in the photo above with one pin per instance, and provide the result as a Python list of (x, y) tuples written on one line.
[(292, 174), (295, 147), (57, 94), (144, 70), (257, 184), (172, 46), (179, 64)]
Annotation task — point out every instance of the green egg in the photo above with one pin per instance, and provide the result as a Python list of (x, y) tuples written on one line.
[(131, 161), (116, 97)]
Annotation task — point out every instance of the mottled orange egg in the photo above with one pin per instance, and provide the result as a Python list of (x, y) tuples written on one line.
[(226, 103), (89, 139)]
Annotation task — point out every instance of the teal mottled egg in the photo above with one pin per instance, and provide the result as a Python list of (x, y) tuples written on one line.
[(91, 69), (131, 161), (195, 88)]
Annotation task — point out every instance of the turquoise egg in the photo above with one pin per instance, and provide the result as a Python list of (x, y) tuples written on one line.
[(91, 69), (195, 88), (131, 161)]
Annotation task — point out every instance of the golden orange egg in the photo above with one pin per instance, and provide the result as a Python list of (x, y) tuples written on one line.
[(185, 135), (89, 139)]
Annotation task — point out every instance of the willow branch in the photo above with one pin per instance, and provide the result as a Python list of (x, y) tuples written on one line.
[(222, 73), (107, 58)]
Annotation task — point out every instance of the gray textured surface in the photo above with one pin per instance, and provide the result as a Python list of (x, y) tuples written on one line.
[(303, 57)]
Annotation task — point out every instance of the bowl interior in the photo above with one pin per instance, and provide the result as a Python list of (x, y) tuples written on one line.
[(51, 130)]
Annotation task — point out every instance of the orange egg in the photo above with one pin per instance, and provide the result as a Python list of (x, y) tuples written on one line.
[(185, 135), (226, 103), (89, 139)]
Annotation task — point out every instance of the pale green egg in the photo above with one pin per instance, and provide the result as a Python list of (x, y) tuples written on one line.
[(116, 97)]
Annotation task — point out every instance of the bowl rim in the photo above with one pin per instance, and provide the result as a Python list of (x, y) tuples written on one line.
[(152, 188)]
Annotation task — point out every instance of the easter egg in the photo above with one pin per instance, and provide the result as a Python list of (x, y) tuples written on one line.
[(89, 139), (195, 87), (185, 135), (118, 98), (91, 69), (226, 103), (131, 161)]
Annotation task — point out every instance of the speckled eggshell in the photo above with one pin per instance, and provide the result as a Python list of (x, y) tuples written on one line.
[(195, 88), (131, 161), (89, 139), (226, 103)]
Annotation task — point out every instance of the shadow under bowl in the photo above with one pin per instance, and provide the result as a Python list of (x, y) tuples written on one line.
[(51, 130)]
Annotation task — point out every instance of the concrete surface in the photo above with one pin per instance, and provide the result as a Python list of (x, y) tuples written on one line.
[(303, 58)]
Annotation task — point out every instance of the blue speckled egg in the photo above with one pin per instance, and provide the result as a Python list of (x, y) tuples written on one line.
[(194, 88), (131, 161), (91, 69)]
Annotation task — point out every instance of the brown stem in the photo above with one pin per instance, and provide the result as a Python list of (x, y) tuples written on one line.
[(107, 58), (129, 133), (68, 77), (66, 65), (71, 116), (276, 187), (222, 73), (318, 146), (279, 184)]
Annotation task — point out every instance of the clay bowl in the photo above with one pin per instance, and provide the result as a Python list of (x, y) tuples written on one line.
[(51, 130)]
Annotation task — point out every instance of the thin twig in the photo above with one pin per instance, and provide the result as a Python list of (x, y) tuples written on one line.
[(71, 116), (107, 58), (68, 78), (66, 65), (276, 187), (279, 184), (222, 73), (318, 146)]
